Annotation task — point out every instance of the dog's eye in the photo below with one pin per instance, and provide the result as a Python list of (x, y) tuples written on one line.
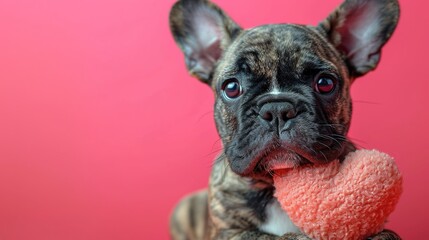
[(231, 88), (324, 85)]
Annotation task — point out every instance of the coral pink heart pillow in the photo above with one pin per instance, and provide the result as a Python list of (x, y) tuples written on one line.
[(348, 200)]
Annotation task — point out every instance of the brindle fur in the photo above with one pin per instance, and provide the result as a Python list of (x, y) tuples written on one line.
[(285, 57)]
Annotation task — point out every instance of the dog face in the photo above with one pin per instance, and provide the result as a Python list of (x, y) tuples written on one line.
[(282, 99), (282, 91)]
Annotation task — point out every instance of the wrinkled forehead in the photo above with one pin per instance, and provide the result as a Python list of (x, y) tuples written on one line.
[(270, 48)]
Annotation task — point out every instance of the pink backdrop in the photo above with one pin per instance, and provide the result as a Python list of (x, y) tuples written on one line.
[(102, 130)]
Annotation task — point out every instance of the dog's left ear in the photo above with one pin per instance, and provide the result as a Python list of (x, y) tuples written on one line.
[(203, 31), (359, 29)]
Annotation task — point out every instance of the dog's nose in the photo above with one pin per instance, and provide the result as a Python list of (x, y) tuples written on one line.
[(277, 112)]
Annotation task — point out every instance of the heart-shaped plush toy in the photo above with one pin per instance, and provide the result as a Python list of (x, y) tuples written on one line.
[(348, 200)]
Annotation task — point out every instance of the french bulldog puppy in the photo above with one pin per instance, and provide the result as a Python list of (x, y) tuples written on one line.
[(282, 99)]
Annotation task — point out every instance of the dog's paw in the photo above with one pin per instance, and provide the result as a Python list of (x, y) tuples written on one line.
[(294, 236), (385, 235)]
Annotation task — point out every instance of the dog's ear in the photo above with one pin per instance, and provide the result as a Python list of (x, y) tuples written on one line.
[(359, 29), (202, 30)]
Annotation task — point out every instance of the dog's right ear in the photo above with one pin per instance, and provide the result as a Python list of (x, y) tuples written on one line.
[(359, 29), (202, 30)]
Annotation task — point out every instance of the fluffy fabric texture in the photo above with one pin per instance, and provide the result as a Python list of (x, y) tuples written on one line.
[(348, 200)]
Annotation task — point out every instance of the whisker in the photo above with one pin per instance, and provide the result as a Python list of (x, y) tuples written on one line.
[(219, 157), (203, 115), (366, 102), (358, 140), (326, 159), (331, 124), (332, 138), (328, 147), (348, 139), (312, 150), (358, 145), (217, 141), (213, 152)]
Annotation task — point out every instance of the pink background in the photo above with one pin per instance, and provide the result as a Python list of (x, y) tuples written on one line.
[(102, 130)]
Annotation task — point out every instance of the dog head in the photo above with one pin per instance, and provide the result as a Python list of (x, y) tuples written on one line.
[(282, 91)]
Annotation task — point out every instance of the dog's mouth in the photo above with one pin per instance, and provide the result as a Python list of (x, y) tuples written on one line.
[(280, 158), (263, 167), (285, 157)]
